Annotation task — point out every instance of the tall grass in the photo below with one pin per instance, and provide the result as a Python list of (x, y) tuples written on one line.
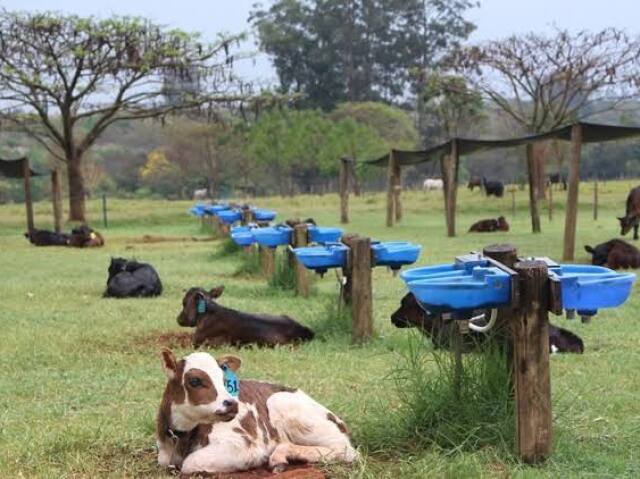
[(284, 274)]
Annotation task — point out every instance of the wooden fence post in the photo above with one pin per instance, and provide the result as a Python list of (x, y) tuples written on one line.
[(390, 190), (571, 217), (361, 295), (267, 260), (56, 199), (26, 173), (397, 190), (530, 326), (595, 200), (550, 202), (343, 183), (247, 216), (533, 189), (448, 165), (512, 190), (104, 210), (300, 239)]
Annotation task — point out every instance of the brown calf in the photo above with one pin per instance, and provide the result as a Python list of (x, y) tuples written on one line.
[(616, 254), (490, 225), (217, 325), (632, 217)]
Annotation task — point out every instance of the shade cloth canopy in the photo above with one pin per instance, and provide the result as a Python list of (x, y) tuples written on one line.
[(14, 168), (591, 133)]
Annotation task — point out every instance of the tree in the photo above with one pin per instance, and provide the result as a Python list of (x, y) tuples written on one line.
[(65, 79), (356, 50), (542, 82)]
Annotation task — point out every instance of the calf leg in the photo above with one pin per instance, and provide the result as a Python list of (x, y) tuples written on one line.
[(635, 231), (287, 452)]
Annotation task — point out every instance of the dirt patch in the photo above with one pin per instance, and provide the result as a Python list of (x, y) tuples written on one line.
[(293, 472), (169, 339)]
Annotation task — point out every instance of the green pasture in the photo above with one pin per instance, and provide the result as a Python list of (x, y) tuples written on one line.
[(80, 377)]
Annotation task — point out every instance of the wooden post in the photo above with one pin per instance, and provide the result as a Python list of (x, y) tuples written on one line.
[(104, 210), (595, 200), (300, 239), (247, 216), (445, 189), (530, 326), (343, 183), (390, 190), (361, 295), (512, 190), (571, 217), (449, 174), (550, 204), (533, 189), (26, 173), (397, 190), (267, 260), (56, 199)]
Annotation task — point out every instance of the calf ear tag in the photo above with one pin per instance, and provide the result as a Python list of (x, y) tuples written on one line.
[(201, 307), (231, 382)]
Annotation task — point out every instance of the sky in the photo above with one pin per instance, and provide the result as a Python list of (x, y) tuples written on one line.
[(494, 18)]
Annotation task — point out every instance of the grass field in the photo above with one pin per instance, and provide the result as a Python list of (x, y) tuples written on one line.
[(80, 376)]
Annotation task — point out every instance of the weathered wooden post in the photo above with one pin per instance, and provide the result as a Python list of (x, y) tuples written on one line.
[(247, 216), (300, 239), (533, 188), (448, 165), (343, 184), (104, 211), (595, 200), (267, 260), (397, 190), (512, 190), (550, 202), (571, 217), (56, 199), (390, 190), (359, 266), (26, 174), (530, 326)]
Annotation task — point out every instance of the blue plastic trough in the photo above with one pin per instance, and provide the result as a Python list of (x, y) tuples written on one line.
[(395, 254), (587, 288), (273, 236), (264, 215), (229, 216), (459, 286), (242, 235), (321, 258), (197, 210), (321, 234), (219, 207)]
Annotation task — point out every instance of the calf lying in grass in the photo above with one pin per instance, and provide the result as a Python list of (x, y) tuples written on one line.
[(440, 330), (131, 279), (205, 426), (217, 325)]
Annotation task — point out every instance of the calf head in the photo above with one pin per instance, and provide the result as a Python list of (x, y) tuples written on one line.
[(502, 224), (410, 314), (116, 266), (599, 254), (189, 315), (626, 223)]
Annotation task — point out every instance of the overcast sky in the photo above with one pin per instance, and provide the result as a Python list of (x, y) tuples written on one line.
[(494, 18)]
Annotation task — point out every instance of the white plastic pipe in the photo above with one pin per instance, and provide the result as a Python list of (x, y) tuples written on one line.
[(483, 329)]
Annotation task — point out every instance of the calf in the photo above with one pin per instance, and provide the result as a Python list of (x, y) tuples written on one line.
[(435, 184), (47, 238), (204, 426), (474, 182), (410, 314), (495, 188), (130, 279), (85, 237), (615, 254), (632, 217), (216, 325), (557, 178), (490, 225)]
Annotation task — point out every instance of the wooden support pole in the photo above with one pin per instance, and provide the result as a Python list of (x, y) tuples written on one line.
[(595, 200), (26, 173), (449, 175), (390, 190), (397, 190), (267, 260), (300, 239), (56, 200), (247, 216), (444, 171), (550, 204), (533, 189), (104, 211), (571, 217), (530, 325), (343, 184), (512, 190), (361, 295)]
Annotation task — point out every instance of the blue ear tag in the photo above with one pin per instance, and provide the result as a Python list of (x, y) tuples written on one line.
[(201, 307), (231, 382)]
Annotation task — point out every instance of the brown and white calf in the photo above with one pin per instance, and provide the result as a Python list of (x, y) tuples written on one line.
[(217, 325), (202, 428)]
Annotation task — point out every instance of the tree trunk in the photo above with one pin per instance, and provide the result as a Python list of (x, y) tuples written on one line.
[(76, 188), (533, 197)]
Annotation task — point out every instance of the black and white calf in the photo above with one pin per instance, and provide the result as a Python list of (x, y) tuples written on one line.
[(203, 428)]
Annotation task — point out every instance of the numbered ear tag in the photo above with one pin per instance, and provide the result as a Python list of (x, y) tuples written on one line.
[(231, 382), (201, 307)]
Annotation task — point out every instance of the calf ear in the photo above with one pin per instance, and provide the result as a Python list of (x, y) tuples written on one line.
[(233, 362), (588, 249), (217, 291), (191, 309), (169, 363)]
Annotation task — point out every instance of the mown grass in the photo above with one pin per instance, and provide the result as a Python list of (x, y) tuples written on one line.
[(81, 378)]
